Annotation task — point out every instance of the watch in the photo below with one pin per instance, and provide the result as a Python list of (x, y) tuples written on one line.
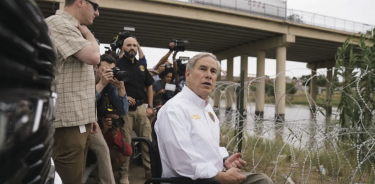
[(150, 106), (224, 159)]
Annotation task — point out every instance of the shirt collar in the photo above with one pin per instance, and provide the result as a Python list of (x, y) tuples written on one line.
[(129, 60), (68, 16), (190, 95)]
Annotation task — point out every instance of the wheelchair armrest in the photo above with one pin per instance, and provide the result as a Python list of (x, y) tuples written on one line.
[(183, 180), (143, 139)]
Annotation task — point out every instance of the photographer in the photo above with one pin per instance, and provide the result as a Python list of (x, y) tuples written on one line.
[(160, 67), (136, 119), (107, 87), (111, 124), (160, 93)]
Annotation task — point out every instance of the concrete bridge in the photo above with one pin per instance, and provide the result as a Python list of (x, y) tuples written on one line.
[(225, 32)]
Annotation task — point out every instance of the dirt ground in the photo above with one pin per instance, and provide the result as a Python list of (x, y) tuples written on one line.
[(136, 175)]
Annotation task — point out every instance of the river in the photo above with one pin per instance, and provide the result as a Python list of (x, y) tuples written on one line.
[(301, 127)]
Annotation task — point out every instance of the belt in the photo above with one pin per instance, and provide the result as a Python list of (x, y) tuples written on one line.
[(139, 102)]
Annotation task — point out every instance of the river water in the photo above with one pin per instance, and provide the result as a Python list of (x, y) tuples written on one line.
[(301, 127)]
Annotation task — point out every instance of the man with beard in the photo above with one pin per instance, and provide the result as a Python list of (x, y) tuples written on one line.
[(136, 119)]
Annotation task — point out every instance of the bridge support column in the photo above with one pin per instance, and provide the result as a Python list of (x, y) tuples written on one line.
[(328, 90), (230, 91), (219, 74), (313, 88), (260, 90), (280, 84), (62, 5)]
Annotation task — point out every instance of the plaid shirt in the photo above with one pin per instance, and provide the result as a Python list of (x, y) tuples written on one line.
[(75, 79)]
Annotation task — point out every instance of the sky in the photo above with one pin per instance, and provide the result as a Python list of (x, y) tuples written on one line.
[(353, 10)]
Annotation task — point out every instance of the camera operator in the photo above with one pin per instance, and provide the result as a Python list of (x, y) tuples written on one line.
[(160, 93), (107, 87), (77, 50), (179, 70), (162, 64), (136, 119)]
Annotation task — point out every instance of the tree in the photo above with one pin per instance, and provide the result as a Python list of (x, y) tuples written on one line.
[(270, 90), (305, 79), (321, 81), (357, 102), (290, 89)]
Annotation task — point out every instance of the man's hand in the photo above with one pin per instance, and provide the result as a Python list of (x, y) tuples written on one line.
[(150, 111), (115, 129), (107, 76), (161, 92), (131, 101), (94, 127), (234, 161), (137, 42), (120, 87), (84, 30), (171, 45), (232, 176)]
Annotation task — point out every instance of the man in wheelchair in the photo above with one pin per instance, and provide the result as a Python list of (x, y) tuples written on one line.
[(188, 131)]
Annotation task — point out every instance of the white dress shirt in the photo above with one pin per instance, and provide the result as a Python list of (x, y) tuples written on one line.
[(188, 134)]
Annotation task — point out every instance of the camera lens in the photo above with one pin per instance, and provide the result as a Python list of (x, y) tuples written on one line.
[(122, 76), (117, 122)]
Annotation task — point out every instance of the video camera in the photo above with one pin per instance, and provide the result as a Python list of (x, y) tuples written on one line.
[(118, 41), (111, 53), (181, 64), (179, 45)]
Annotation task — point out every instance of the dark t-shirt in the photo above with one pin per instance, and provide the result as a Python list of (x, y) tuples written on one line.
[(157, 86), (139, 78)]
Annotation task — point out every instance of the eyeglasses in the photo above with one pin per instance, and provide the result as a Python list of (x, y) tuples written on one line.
[(94, 5)]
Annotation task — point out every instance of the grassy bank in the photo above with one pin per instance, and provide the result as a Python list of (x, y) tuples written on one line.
[(300, 99), (274, 156)]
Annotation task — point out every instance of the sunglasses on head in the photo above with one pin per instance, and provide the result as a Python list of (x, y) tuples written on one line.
[(94, 5)]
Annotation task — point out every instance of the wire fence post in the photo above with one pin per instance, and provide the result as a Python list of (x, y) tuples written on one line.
[(241, 102)]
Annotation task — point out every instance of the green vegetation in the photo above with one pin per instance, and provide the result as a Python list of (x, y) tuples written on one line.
[(267, 156), (355, 64)]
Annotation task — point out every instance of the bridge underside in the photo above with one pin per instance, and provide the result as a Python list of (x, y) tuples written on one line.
[(157, 30)]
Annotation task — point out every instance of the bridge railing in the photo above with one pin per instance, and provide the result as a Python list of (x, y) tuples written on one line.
[(303, 17)]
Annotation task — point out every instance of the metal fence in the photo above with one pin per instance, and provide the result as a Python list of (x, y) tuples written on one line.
[(259, 8)]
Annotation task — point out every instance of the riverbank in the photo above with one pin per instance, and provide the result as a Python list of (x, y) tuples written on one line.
[(302, 164), (300, 98)]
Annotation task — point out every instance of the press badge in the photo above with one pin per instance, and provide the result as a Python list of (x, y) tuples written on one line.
[(82, 128)]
